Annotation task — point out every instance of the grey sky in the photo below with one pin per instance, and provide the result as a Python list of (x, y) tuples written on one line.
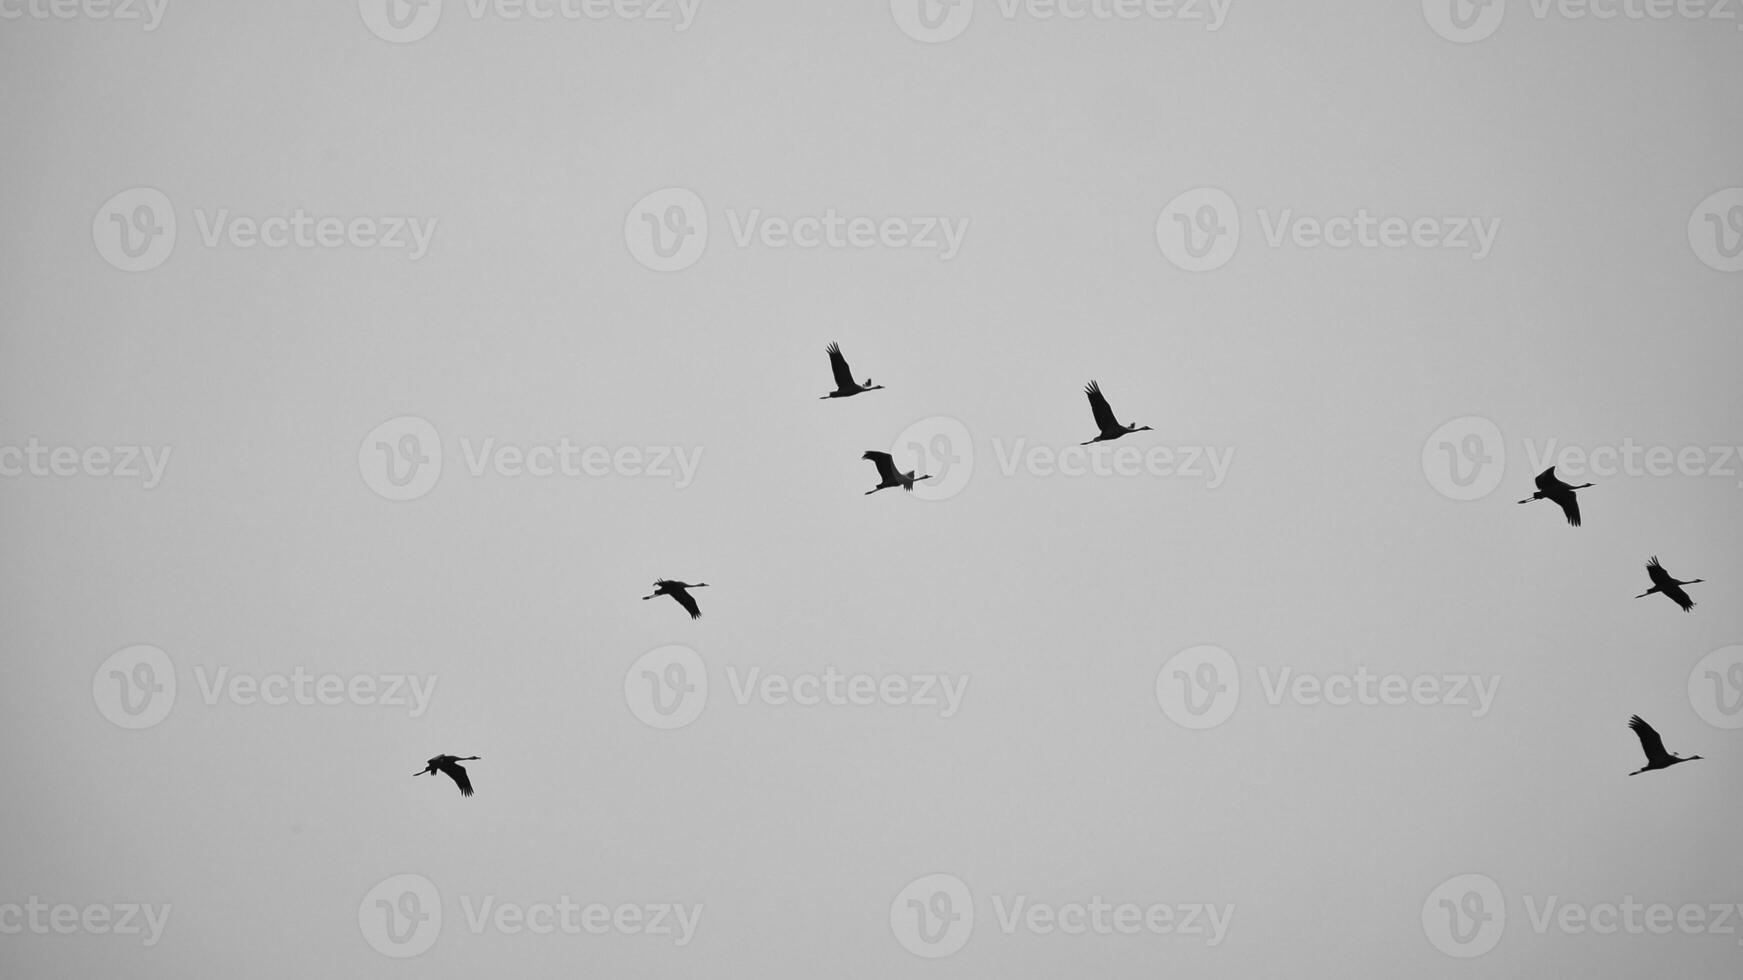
[(522, 149)]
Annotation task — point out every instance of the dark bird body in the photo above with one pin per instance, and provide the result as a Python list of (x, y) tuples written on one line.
[(845, 386), (888, 474), (679, 591), (1562, 494), (1669, 587), (1104, 417), (1653, 746), (449, 766)]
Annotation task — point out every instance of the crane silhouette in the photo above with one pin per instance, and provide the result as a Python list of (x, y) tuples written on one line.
[(1653, 745), (889, 476), (1670, 587), (679, 591), (1550, 488), (845, 386), (450, 766), (1104, 417)]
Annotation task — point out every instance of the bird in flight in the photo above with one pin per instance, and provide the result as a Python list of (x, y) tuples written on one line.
[(1550, 488), (845, 386), (450, 766), (1670, 587), (889, 476), (1104, 417), (1653, 745), (679, 591)]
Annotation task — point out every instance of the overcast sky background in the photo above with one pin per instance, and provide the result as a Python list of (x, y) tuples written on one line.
[(1591, 322)]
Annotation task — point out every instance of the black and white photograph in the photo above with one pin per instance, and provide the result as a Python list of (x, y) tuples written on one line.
[(941, 489)]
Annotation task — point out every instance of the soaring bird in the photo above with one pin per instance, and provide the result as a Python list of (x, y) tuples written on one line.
[(1653, 746), (450, 766), (1550, 488), (1104, 417), (888, 474), (679, 591), (1670, 587), (845, 386)]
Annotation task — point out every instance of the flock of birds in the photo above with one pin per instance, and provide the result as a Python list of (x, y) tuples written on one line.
[(1563, 495), (1549, 488)]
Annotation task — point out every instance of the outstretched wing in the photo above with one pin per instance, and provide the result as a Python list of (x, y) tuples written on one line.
[(1678, 596), (838, 367), (688, 601), (1547, 482), (886, 465), (1565, 499), (1650, 742), (1098, 405), (1660, 577), (457, 773)]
